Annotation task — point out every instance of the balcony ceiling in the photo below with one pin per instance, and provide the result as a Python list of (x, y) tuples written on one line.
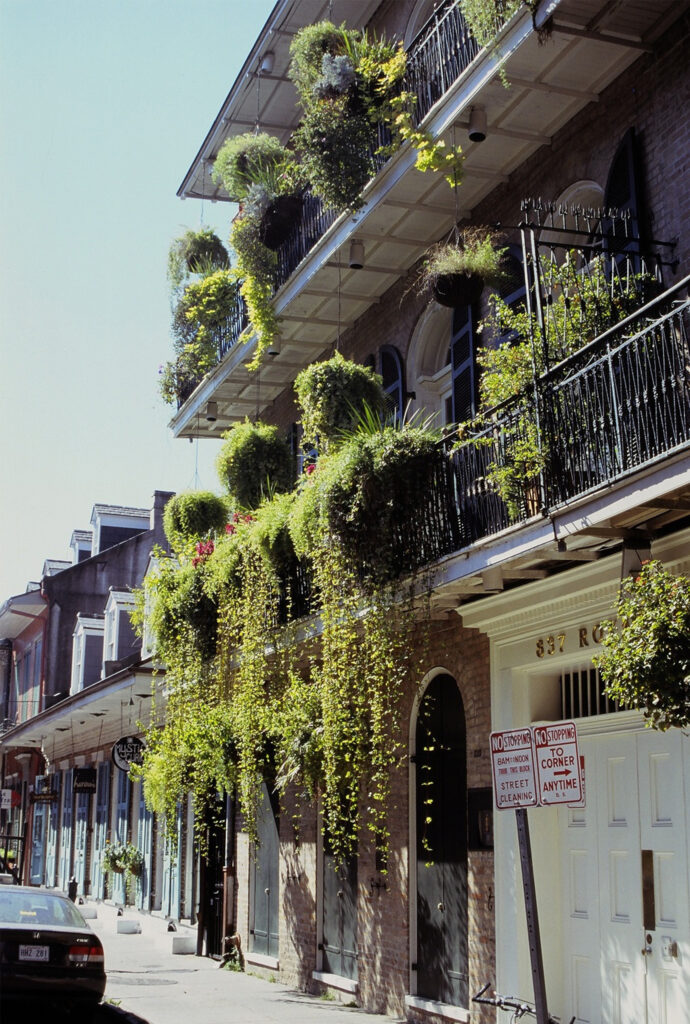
[(591, 44)]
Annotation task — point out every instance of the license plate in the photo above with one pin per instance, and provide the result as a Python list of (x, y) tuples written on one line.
[(34, 953)]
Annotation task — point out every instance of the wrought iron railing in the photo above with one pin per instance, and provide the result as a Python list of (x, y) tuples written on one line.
[(224, 337), (618, 404)]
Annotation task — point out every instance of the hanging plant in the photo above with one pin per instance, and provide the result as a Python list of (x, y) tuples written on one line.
[(122, 858), (196, 252), (645, 661), (457, 272), (191, 515), (254, 461), (332, 395), (254, 162)]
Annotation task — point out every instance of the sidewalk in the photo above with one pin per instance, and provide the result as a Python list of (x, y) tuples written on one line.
[(148, 980)]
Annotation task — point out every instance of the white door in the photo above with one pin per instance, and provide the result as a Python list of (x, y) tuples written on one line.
[(625, 875)]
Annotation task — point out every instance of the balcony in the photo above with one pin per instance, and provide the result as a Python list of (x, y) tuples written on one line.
[(608, 417), (318, 295)]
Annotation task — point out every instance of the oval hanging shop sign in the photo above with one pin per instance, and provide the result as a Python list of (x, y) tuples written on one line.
[(128, 751)]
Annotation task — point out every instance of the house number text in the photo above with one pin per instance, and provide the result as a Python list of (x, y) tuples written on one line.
[(548, 645)]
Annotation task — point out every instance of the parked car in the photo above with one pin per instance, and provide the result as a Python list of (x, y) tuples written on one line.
[(48, 954)]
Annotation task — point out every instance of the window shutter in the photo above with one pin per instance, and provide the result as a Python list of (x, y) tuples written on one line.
[(463, 369)]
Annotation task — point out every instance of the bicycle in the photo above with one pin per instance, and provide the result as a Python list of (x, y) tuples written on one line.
[(519, 1008)]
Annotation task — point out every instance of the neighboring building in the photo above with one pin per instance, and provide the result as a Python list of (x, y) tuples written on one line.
[(75, 681), (595, 121)]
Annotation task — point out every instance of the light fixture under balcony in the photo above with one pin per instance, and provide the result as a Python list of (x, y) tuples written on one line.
[(356, 261), (267, 62), (274, 347), (477, 129), (211, 412)]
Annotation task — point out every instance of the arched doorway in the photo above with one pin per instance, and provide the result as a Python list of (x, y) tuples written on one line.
[(440, 763)]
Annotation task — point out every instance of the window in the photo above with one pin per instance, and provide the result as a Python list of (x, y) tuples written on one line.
[(87, 652), (119, 640)]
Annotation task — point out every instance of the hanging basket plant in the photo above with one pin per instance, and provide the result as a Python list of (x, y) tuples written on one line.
[(457, 272), (255, 461), (645, 662), (332, 395)]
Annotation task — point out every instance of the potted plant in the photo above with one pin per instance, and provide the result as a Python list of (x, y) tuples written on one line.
[(457, 272), (254, 461), (331, 395), (122, 858), (196, 252), (259, 173)]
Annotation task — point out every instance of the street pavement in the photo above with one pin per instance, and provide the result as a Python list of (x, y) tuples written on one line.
[(148, 983)]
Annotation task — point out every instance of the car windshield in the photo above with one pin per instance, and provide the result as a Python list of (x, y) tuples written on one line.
[(39, 908)]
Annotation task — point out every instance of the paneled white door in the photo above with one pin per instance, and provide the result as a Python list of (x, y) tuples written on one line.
[(625, 875)]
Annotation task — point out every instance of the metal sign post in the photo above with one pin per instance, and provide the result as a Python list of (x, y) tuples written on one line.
[(533, 937)]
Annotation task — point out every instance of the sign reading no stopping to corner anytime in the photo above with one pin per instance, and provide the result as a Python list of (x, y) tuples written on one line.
[(559, 770)]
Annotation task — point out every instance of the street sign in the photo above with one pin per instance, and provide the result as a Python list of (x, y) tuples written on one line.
[(5, 800), (558, 763), (512, 766)]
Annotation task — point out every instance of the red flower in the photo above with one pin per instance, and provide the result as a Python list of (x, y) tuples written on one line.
[(309, 469)]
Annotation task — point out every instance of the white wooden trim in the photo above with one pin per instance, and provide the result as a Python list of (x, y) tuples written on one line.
[(336, 981), (439, 1009)]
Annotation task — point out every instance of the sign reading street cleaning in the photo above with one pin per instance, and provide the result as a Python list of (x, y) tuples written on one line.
[(558, 763), (537, 766), (512, 765)]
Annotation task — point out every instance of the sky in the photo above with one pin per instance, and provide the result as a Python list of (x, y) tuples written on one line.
[(103, 106)]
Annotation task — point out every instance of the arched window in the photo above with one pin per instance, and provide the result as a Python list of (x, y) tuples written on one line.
[(393, 379)]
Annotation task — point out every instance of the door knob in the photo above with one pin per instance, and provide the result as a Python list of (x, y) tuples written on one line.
[(441, 907), (647, 948), (267, 891)]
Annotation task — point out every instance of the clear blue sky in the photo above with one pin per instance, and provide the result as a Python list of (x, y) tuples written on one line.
[(103, 105)]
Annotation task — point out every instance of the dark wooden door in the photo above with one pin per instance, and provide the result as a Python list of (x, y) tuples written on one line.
[(215, 882), (441, 794), (340, 916), (264, 928)]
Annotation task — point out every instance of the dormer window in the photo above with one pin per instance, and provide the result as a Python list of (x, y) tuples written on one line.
[(113, 524), (119, 639), (81, 544), (87, 652)]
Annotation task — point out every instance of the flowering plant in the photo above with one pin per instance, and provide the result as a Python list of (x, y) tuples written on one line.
[(203, 549), (122, 858), (646, 662)]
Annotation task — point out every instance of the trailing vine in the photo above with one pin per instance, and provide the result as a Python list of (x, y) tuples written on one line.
[(246, 700)]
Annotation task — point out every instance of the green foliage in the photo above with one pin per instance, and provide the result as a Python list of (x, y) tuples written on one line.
[(202, 309), (254, 159), (307, 49), (335, 146), (363, 495), (192, 515), (195, 252), (645, 661), (246, 698), (581, 302), (254, 272), (122, 858), (331, 395), (347, 83), (476, 254), (254, 461), (486, 17)]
